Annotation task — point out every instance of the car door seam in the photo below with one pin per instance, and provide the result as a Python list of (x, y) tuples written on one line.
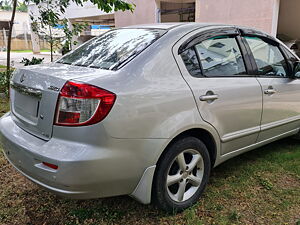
[(262, 108), (195, 101)]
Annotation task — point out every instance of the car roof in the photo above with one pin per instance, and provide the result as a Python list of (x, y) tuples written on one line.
[(165, 26), (192, 25), (169, 26)]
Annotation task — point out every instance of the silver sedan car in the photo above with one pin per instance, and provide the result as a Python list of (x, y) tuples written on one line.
[(149, 110)]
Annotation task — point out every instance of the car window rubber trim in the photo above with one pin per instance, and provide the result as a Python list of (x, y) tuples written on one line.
[(197, 38)]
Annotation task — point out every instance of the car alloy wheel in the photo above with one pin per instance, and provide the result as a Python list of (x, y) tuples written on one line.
[(181, 174), (185, 175)]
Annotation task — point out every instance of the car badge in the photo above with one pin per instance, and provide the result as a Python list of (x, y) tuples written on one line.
[(22, 78), (53, 88)]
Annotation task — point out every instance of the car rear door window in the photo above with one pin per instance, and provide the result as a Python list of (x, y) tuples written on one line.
[(221, 56), (269, 59)]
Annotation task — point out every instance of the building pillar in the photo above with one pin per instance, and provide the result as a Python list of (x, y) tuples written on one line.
[(197, 10), (74, 38), (5, 38), (25, 29), (275, 18), (35, 41), (158, 12)]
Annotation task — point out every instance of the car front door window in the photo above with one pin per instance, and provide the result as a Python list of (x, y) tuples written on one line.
[(281, 107), (228, 97)]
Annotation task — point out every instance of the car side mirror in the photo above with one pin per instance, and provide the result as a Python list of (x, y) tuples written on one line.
[(296, 72)]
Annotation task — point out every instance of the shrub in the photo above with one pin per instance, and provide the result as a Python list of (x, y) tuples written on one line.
[(4, 81), (32, 61)]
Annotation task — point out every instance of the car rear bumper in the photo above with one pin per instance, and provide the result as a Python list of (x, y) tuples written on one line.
[(84, 171), (63, 192)]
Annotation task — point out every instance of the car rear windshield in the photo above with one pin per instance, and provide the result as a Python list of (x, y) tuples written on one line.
[(112, 49)]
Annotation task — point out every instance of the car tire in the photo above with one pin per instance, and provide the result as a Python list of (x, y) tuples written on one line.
[(171, 179)]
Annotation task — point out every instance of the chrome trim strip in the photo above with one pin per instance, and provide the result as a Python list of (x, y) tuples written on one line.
[(279, 123), (256, 145), (240, 134), (264, 127), (26, 90)]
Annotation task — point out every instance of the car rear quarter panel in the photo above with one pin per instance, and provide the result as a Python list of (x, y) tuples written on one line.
[(153, 100)]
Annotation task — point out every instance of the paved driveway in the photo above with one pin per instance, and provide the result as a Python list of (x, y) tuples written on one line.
[(16, 58)]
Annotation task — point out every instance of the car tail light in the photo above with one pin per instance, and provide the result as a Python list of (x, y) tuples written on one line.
[(81, 104)]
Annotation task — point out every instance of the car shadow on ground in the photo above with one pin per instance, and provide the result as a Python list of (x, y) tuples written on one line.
[(42, 207)]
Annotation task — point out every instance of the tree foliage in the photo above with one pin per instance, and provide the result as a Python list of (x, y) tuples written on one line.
[(22, 7), (11, 24), (6, 5), (55, 29), (32, 61), (70, 32), (105, 5), (44, 25), (50, 16)]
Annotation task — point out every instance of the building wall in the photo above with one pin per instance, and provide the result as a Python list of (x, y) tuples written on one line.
[(87, 10), (21, 23), (289, 18), (145, 12), (260, 14)]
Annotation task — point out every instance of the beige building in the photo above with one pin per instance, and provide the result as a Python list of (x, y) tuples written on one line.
[(273, 16), (21, 24), (20, 33)]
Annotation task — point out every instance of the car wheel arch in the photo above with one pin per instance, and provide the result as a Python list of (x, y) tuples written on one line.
[(202, 134), (143, 191)]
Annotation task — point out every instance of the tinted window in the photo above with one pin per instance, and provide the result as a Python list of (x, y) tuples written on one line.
[(268, 58), (221, 56), (112, 48), (291, 59), (290, 56), (191, 62)]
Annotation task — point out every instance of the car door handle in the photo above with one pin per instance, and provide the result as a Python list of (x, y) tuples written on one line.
[(270, 91), (208, 97)]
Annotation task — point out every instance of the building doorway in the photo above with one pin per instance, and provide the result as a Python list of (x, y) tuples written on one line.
[(177, 11), (288, 29)]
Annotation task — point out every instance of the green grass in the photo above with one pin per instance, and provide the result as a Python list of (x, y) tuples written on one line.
[(259, 187), (2, 67), (4, 107), (25, 51)]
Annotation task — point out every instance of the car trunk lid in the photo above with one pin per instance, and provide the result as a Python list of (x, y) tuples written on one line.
[(34, 94)]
